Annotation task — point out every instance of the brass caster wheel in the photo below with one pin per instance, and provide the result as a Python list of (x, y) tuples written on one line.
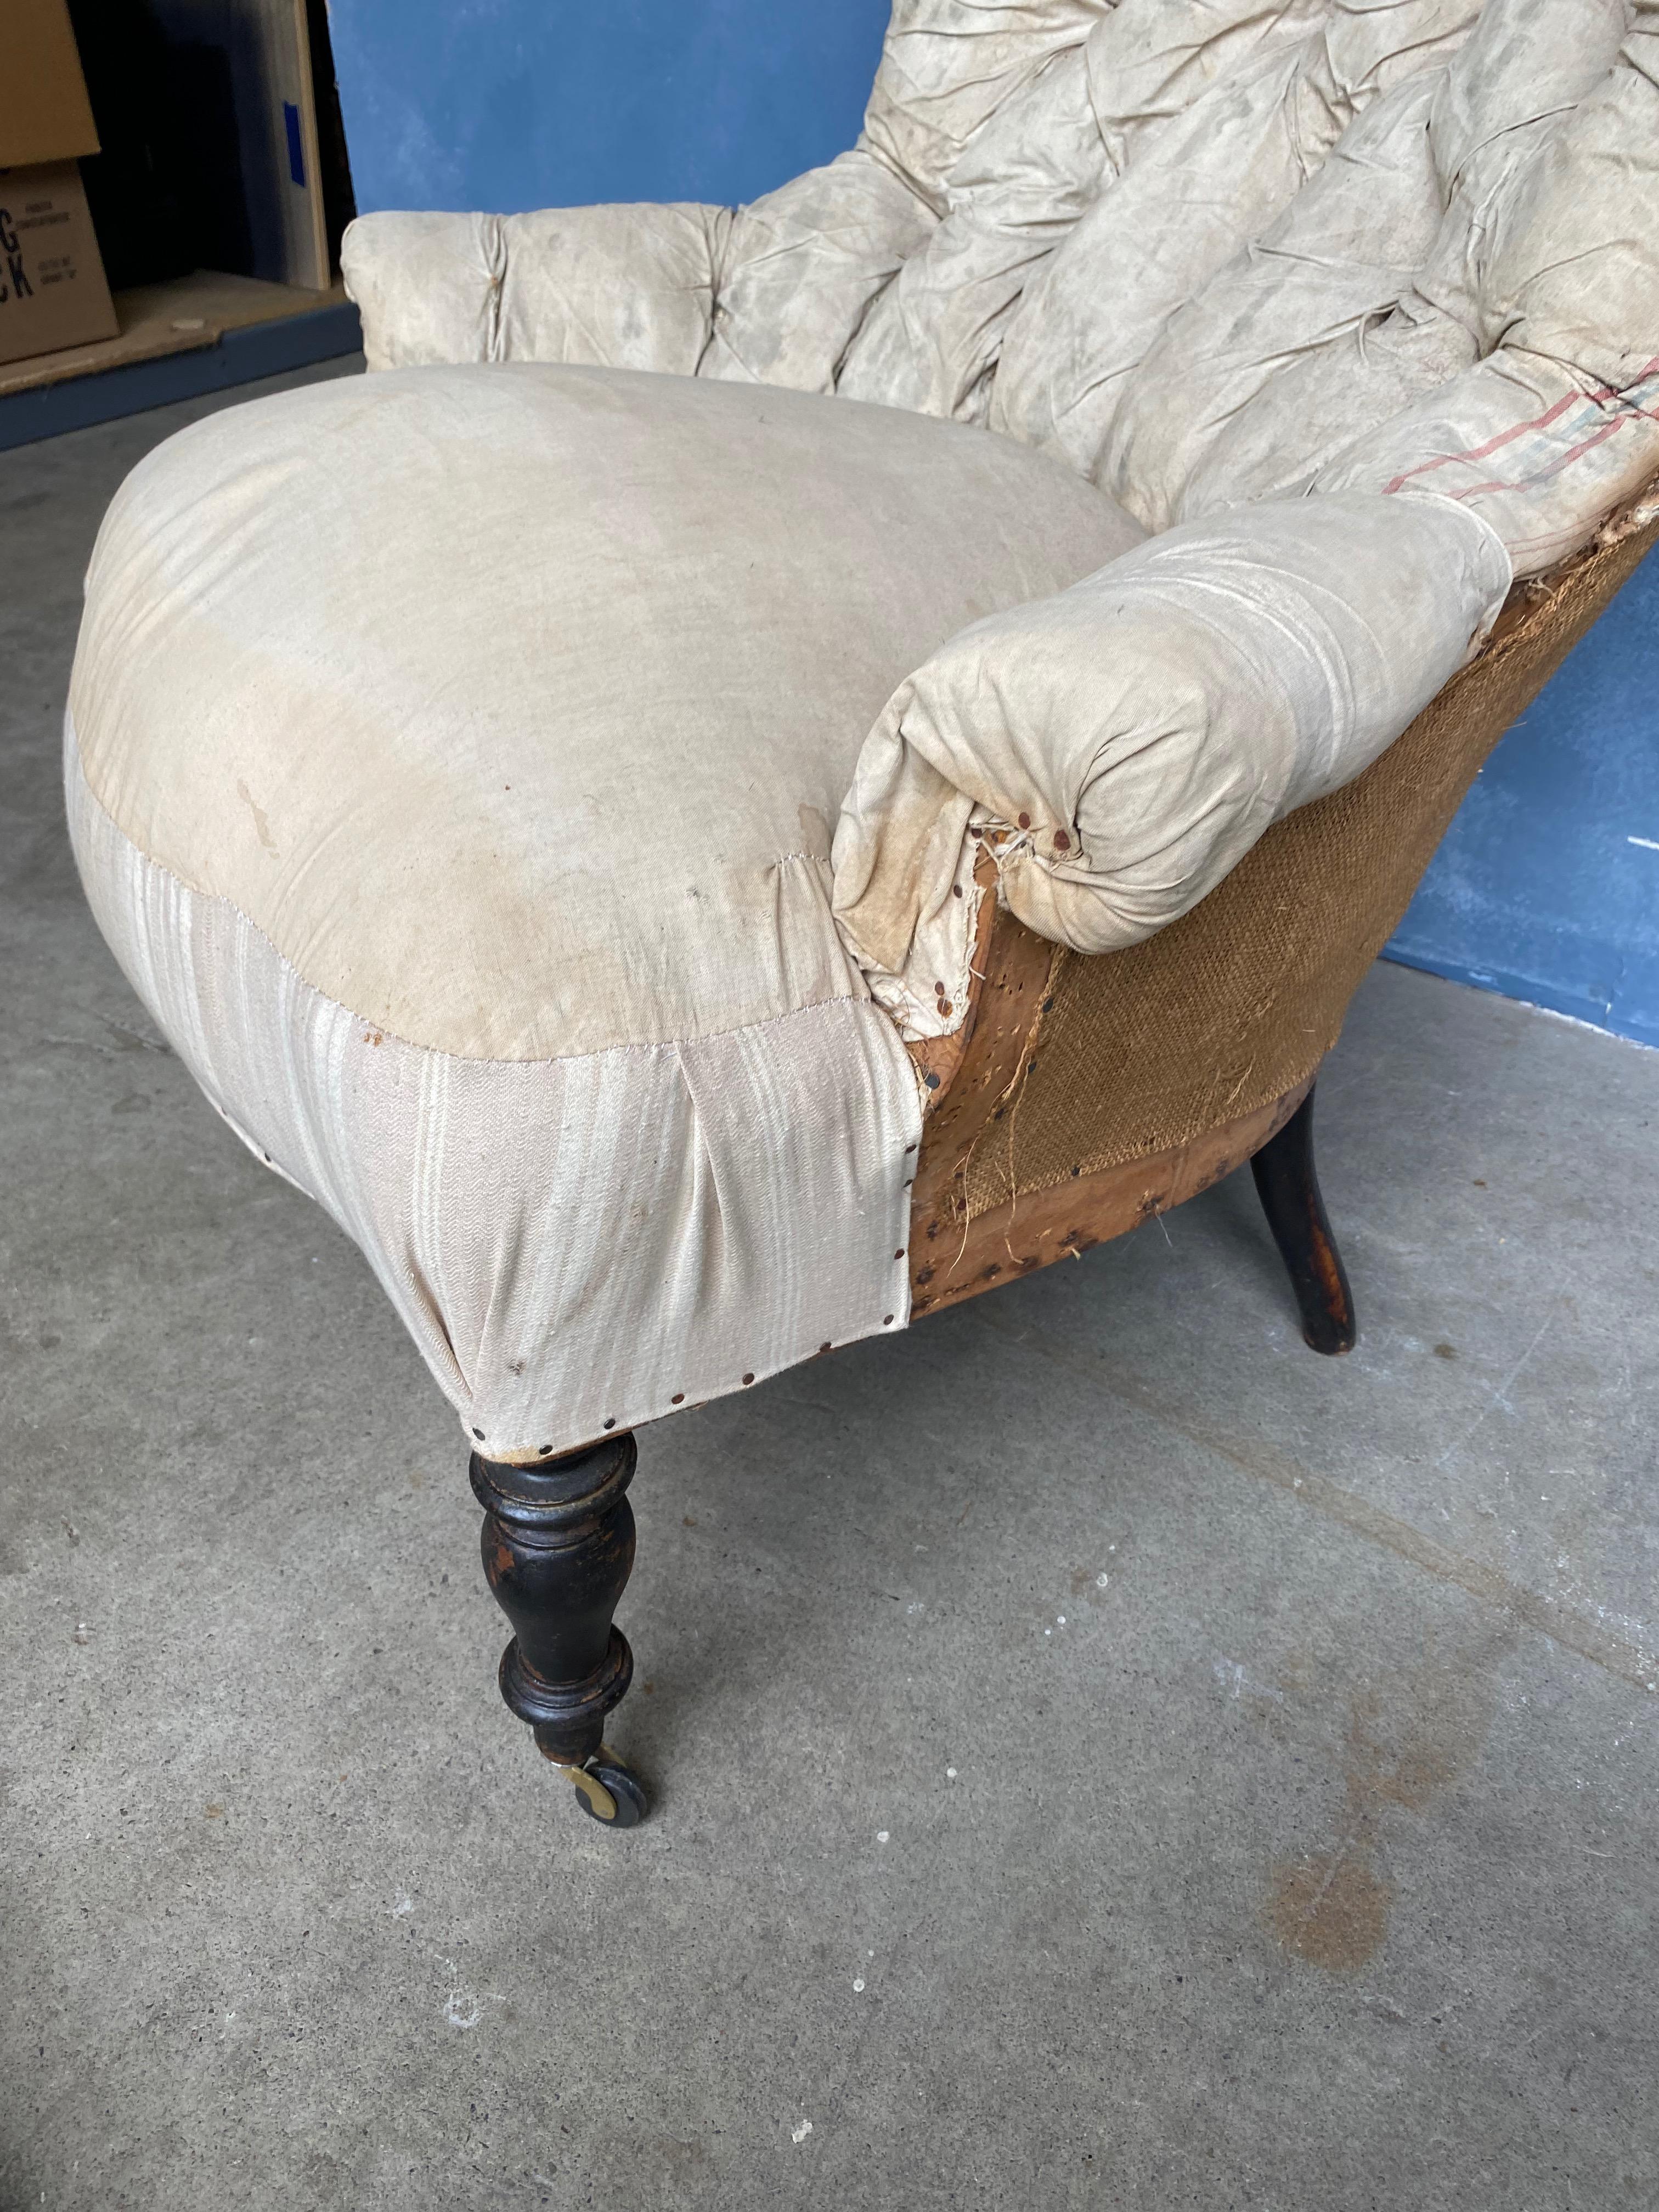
[(608, 1791)]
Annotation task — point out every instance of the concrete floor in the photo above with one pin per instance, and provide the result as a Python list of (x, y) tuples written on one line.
[(1106, 1755)]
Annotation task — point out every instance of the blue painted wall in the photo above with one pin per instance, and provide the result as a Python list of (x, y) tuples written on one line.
[(1548, 888), (515, 104), (1547, 885)]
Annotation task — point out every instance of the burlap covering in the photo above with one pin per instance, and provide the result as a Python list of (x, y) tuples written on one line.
[(1237, 1003)]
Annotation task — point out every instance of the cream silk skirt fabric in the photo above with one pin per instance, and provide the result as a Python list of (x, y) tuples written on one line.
[(575, 1244)]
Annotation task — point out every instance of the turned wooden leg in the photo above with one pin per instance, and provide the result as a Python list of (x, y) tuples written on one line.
[(558, 1547), (1289, 1190)]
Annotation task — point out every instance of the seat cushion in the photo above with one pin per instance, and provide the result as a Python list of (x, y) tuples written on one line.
[(515, 704), (452, 762)]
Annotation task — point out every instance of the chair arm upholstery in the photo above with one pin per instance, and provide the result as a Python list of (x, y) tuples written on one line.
[(1120, 746), (1080, 1084), (623, 286), (771, 293)]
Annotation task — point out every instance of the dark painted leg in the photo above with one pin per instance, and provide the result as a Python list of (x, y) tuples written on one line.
[(1289, 1190), (558, 1547)]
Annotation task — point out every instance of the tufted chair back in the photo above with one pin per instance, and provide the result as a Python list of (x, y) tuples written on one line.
[(1207, 251)]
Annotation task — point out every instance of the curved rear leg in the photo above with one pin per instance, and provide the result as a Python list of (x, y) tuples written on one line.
[(1289, 1190)]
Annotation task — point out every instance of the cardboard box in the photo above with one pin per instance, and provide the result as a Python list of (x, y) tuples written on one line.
[(44, 113), (52, 292)]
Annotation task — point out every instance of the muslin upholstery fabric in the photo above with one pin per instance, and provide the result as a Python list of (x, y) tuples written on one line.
[(1209, 253), (456, 760), (1171, 708), (453, 764), (1208, 249)]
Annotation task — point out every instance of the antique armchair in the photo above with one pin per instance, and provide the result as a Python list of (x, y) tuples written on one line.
[(771, 769)]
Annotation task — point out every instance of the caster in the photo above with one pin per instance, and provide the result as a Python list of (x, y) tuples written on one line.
[(609, 1790)]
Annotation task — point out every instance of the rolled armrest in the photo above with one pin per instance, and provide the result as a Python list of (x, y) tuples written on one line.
[(1119, 747), (623, 286)]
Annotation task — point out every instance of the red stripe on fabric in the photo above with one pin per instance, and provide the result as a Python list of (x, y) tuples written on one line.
[(1543, 475), (1478, 452), (1628, 409)]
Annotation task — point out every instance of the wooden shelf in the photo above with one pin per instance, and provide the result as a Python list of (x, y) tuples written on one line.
[(158, 319)]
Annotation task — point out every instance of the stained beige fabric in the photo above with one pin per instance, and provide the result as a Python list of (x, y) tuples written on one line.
[(1109, 188), (500, 712), (516, 706), (946, 68), (627, 287), (1235, 1004), (1122, 747), (801, 268), (1465, 297), (453, 761), (1558, 421), (1205, 181), (1206, 252), (1167, 239), (574, 1244)]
